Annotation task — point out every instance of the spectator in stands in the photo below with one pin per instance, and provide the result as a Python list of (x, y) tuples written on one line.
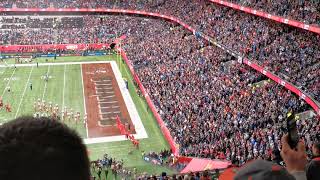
[(41, 148), (313, 168), (295, 160)]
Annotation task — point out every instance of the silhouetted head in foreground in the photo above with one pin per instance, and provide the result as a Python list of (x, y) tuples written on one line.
[(41, 149)]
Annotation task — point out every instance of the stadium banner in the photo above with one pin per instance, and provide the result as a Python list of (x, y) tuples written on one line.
[(51, 47), (161, 123), (279, 19)]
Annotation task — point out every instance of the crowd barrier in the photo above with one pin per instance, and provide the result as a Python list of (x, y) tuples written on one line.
[(164, 129), (50, 47), (279, 19)]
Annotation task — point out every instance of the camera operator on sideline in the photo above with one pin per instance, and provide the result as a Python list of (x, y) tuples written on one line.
[(313, 168)]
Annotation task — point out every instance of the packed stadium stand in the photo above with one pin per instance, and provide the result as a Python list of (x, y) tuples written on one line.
[(213, 106)]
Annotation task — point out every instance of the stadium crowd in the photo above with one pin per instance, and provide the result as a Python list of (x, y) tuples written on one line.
[(289, 52), (304, 11), (212, 106)]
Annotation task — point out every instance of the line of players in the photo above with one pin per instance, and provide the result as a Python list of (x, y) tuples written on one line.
[(7, 106), (42, 108)]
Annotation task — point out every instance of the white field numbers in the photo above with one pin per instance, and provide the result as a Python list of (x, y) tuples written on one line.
[(12, 79)]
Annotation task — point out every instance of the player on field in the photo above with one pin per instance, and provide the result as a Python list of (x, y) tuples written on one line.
[(70, 115), (8, 108), (36, 115), (77, 117), (65, 114), (85, 120), (35, 107), (46, 78), (43, 105), (62, 115), (1, 103), (39, 105), (50, 107), (56, 109), (54, 114)]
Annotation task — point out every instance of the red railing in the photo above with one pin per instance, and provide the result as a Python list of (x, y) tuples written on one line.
[(279, 19)]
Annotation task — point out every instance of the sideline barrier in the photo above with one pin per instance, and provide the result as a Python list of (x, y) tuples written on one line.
[(279, 19), (48, 47), (162, 125)]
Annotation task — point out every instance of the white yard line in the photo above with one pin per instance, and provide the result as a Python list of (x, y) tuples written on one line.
[(45, 85), (103, 80), (24, 91), (117, 112), (111, 102), (105, 89), (107, 97), (110, 107), (102, 84), (8, 82), (84, 100), (64, 85)]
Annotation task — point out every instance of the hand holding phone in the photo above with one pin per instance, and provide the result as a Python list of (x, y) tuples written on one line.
[(293, 138)]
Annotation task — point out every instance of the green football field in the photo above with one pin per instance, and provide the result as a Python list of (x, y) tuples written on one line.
[(65, 89)]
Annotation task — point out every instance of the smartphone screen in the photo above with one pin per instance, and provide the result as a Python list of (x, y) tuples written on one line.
[(292, 131)]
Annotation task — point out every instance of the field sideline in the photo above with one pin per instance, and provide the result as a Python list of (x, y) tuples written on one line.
[(66, 91)]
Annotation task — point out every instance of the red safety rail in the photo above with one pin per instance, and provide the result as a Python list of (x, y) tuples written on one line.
[(279, 19)]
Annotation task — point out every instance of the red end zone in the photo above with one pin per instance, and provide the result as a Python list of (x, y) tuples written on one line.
[(103, 101)]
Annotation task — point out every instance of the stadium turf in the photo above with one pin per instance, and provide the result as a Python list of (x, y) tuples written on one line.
[(65, 89)]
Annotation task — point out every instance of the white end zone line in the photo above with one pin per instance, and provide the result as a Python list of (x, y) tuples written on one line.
[(84, 101), (24, 92)]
